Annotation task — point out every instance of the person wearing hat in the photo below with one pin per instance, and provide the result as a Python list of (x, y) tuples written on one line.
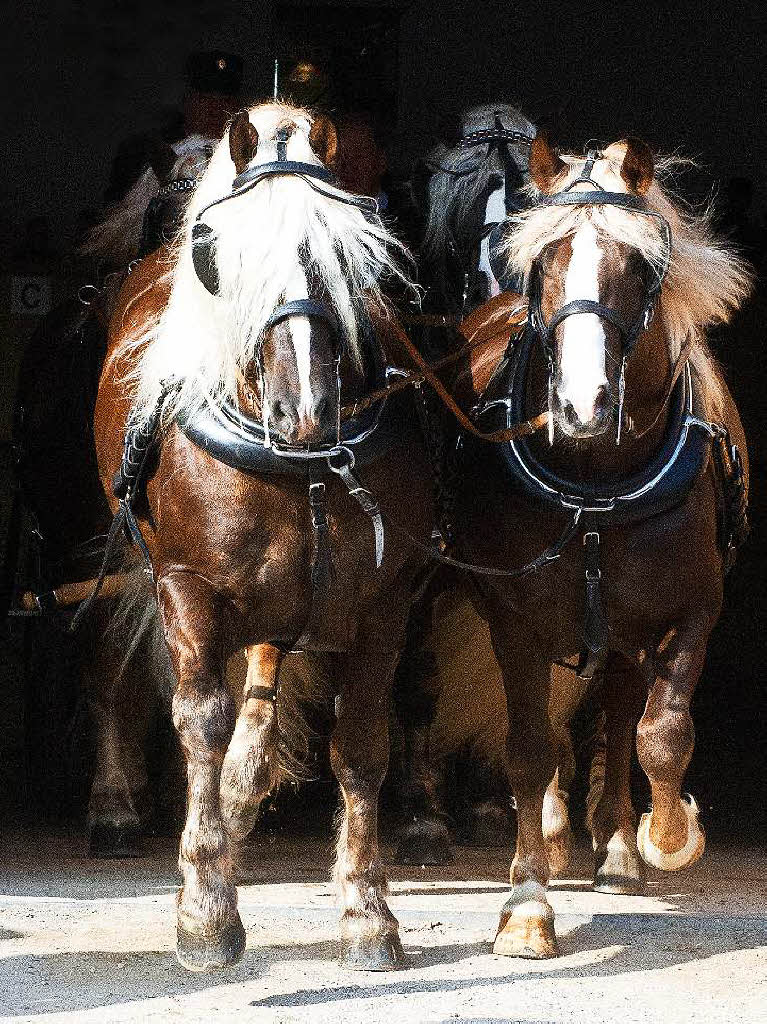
[(213, 81)]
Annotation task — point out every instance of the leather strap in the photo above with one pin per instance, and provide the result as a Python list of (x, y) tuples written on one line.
[(496, 436), (302, 307), (252, 175), (586, 306), (476, 333)]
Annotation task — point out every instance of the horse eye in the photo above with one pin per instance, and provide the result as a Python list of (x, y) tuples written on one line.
[(637, 264)]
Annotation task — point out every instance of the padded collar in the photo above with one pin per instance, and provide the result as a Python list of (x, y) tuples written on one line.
[(662, 484)]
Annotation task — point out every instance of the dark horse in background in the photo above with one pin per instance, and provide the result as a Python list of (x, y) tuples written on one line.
[(59, 481)]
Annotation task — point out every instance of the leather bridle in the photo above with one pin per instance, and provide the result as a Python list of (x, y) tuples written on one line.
[(316, 177), (630, 332)]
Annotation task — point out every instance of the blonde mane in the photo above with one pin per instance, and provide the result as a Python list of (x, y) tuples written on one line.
[(207, 342), (461, 175), (116, 238), (706, 283)]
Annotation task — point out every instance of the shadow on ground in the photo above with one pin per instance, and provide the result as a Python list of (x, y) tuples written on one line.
[(630, 943)]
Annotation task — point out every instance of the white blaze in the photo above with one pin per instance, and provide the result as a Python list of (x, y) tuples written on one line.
[(301, 334), (495, 211), (582, 364)]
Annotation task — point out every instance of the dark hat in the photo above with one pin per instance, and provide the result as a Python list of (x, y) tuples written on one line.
[(214, 71)]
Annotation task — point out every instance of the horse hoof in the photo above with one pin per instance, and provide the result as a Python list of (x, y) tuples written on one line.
[(526, 930), (620, 871), (206, 953), (108, 840), (675, 860), (372, 953), (417, 848)]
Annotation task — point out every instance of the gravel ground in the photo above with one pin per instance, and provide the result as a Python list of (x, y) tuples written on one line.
[(84, 941)]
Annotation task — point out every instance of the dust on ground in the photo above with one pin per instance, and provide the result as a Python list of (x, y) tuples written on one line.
[(88, 941)]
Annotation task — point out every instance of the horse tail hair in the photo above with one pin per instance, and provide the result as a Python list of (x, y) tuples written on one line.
[(304, 715)]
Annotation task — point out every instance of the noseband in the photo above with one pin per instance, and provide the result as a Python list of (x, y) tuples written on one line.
[(629, 332)]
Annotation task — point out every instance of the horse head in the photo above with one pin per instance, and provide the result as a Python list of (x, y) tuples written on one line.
[(591, 289), (278, 275), (473, 182)]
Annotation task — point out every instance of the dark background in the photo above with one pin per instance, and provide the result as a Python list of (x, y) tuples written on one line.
[(686, 77), (80, 76)]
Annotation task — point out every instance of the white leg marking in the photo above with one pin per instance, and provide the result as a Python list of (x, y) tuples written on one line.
[(690, 852), (582, 365)]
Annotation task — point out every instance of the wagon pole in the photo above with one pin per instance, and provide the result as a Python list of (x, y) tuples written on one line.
[(67, 594)]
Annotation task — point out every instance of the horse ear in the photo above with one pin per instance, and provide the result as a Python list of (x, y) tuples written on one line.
[(243, 141), (638, 165), (323, 139), (161, 158), (545, 165)]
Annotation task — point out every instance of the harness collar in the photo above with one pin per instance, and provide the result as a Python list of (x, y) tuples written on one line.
[(663, 483)]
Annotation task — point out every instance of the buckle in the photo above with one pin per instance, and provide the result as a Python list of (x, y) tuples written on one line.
[(348, 456)]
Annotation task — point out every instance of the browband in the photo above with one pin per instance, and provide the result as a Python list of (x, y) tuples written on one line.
[(497, 134), (302, 307), (259, 171), (598, 198)]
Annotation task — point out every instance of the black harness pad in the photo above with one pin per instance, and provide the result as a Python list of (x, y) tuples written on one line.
[(239, 441), (664, 483)]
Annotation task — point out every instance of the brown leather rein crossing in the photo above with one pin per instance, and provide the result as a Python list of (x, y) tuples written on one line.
[(509, 323)]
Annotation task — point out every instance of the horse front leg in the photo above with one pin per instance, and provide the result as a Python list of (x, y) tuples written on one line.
[(359, 753), (566, 694), (618, 866), (210, 934), (251, 767), (526, 927), (670, 836)]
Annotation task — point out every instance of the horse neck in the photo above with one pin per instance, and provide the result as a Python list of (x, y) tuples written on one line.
[(600, 459)]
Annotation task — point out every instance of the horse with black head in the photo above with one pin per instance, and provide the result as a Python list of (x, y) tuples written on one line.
[(636, 497), (256, 502), (469, 186), (466, 187)]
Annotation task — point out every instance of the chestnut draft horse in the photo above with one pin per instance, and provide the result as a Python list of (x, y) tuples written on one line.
[(230, 364), (643, 480)]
